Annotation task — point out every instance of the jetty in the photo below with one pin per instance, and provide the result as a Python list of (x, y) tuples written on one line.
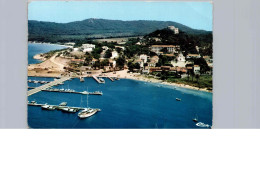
[(48, 85), (59, 107), (69, 91), (38, 81), (96, 79), (112, 79)]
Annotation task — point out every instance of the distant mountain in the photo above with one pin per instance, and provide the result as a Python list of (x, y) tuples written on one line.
[(99, 28)]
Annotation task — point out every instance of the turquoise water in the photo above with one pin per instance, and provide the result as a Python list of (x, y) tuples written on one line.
[(125, 104), (36, 48)]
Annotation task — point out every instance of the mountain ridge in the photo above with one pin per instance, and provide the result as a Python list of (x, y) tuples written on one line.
[(99, 28)]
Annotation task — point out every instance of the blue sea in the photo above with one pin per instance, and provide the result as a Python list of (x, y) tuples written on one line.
[(36, 48), (125, 104)]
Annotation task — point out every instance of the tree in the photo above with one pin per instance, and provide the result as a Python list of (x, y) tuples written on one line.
[(108, 54), (120, 62)]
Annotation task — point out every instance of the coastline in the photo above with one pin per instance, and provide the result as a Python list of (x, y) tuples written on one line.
[(56, 65)]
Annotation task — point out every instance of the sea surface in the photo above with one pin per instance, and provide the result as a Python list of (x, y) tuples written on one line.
[(125, 103), (36, 48)]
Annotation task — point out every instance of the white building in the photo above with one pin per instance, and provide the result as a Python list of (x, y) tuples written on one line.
[(144, 58), (170, 48), (196, 69), (174, 29), (114, 54), (88, 47)]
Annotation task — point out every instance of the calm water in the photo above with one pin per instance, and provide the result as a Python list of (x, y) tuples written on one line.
[(124, 104), (36, 48)]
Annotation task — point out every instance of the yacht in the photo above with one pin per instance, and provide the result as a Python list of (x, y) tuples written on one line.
[(87, 112)]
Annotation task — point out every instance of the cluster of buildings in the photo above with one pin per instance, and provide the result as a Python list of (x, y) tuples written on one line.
[(174, 29)]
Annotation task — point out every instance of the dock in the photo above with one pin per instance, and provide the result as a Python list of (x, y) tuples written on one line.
[(58, 107), (48, 85), (96, 79), (38, 81), (112, 79), (69, 91)]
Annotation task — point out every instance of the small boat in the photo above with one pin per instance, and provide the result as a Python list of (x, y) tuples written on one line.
[(69, 109), (97, 93), (178, 99), (102, 80), (85, 93), (48, 107), (63, 104), (81, 79), (200, 124), (87, 112), (196, 119)]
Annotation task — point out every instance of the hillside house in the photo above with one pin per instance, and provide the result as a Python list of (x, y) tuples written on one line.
[(196, 69), (170, 48)]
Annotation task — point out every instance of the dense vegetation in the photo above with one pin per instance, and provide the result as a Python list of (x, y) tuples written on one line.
[(97, 28)]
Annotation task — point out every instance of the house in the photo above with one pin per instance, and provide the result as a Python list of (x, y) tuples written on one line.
[(155, 69), (140, 62), (196, 69), (174, 29), (88, 47), (143, 57), (153, 61), (107, 68), (105, 48), (114, 54), (170, 48), (190, 55), (180, 61)]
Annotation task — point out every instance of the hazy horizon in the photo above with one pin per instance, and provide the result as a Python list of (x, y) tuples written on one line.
[(196, 15)]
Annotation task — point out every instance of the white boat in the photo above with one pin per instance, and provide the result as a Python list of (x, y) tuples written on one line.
[(178, 99), (200, 124), (85, 93), (69, 109), (81, 79), (102, 80), (48, 107), (87, 112)]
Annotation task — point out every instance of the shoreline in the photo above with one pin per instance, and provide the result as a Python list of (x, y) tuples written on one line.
[(154, 81)]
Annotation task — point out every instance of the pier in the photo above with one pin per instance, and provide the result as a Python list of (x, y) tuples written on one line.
[(97, 80), (48, 85), (112, 79), (59, 107), (38, 81), (69, 91)]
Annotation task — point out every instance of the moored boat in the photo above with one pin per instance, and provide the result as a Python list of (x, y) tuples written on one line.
[(87, 112)]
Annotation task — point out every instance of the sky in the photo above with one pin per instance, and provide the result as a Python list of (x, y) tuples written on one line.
[(196, 15)]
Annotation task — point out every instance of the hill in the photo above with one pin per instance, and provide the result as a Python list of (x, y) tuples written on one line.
[(98, 28)]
